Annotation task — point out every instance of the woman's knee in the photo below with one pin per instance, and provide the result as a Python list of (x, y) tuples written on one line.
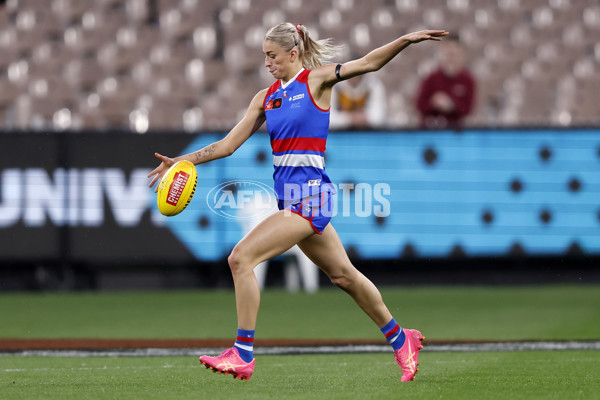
[(345, 279), (238, 261)]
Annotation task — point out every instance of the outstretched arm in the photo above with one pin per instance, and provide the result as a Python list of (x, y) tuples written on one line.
[(254, 118), (322, 79), (377, 58)]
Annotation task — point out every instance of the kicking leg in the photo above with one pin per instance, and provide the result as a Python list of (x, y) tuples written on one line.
[(328, 253)]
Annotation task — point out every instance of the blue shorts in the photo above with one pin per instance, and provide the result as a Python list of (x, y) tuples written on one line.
[(317, 209)]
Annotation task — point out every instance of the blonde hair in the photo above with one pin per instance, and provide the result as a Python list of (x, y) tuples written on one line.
[(312, 53)]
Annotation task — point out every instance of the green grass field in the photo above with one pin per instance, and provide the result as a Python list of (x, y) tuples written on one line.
[(522, 375), (541, 312)]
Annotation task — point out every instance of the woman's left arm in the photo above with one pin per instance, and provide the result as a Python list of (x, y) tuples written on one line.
[(375, 59), (322, 79)]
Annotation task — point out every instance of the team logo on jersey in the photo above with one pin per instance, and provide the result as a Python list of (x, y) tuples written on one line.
[(273, 104)]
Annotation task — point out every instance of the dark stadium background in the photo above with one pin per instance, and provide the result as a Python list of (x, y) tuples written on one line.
[(90, 90)]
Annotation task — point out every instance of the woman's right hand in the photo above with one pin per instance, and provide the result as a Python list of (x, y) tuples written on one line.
[(158, 172)]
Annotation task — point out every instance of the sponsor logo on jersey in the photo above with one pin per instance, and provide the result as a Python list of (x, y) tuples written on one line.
[(274, 104)]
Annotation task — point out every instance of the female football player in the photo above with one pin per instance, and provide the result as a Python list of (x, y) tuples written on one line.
[(296, 109)]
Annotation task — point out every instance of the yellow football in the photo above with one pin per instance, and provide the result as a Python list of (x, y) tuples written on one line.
[(176, 188)]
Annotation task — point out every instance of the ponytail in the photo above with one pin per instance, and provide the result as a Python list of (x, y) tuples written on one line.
[(312, 53)]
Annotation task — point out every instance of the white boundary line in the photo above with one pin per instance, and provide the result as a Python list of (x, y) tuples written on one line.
[(288, 350)]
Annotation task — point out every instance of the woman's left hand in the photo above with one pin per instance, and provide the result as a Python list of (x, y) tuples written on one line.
[(419, 36)]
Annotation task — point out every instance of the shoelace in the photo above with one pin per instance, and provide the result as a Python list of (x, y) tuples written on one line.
[(226, 352)]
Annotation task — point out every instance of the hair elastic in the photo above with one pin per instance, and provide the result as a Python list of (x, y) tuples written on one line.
[(299, 32), (337, 72)]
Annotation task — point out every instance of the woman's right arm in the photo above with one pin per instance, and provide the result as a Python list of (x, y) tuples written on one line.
[(254, 118)]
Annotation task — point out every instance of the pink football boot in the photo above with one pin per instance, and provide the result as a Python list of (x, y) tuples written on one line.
[(407, 356), (229, 362)]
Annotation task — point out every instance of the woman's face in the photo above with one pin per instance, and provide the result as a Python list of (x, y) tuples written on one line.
[(277, 59)]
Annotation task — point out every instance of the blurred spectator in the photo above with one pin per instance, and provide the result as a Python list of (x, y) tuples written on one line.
[(358, 103), (447, 95)]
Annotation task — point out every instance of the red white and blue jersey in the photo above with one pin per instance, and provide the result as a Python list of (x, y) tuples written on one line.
[(298, 130)]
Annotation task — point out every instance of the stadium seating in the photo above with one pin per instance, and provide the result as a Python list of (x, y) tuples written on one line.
[(536, 61)]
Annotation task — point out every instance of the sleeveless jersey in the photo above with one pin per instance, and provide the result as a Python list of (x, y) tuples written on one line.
[(298, 131)]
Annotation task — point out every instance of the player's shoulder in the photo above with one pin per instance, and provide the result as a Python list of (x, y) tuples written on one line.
[(303, 76), (321, 76), (261, 96), (273, 88)]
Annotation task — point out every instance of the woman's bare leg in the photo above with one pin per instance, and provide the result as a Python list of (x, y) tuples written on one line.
[(268, 239), (328, 253)]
